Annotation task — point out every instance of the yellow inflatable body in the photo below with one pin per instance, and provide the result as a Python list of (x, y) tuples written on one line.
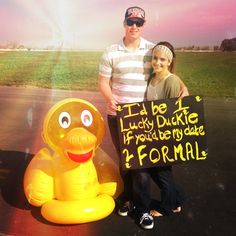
[(78, 181)]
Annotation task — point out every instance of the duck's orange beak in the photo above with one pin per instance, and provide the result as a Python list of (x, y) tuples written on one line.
[(79, 145)]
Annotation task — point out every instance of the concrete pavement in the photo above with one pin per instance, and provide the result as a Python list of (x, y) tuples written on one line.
[(209, 185)]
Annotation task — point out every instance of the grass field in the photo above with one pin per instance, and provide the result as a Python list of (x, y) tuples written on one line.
[(210, 74)]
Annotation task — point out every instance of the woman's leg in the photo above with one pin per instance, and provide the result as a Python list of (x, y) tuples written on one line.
[(171, 197)]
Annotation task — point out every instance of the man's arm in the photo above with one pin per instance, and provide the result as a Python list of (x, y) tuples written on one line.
[(105, 89)]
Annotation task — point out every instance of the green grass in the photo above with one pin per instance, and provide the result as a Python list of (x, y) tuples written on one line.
[(62, 70), (208, 74)]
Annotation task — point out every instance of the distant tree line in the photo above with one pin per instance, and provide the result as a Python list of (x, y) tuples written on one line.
[(198, 48), (13, 46), (228, 45)]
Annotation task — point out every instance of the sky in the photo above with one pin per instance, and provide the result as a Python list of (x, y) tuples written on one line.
[(95, 24)]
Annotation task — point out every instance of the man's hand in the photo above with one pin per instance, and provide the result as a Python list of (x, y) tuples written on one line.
[(112, 105)]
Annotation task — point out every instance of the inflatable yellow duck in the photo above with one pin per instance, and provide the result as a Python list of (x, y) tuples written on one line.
[(78, 182)]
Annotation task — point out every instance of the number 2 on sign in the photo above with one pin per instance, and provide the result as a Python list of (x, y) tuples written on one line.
[(127, 158)]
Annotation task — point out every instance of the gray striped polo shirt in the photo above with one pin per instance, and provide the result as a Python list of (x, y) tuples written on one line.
[(128, 71)]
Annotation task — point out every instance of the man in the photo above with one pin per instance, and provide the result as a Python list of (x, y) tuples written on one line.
[(123, 74)]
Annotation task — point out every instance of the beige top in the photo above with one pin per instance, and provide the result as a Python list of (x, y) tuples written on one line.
[(168, 87)]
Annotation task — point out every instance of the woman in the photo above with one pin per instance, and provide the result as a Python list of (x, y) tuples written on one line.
[(164, 84)]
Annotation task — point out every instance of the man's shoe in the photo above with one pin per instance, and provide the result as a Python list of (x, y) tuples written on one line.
[(126, 209), (146, 221)]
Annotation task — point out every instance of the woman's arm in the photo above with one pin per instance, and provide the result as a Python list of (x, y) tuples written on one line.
[(183, 89), (171, 87)]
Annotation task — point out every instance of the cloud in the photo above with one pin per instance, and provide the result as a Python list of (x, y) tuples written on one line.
[(98, 23), (200, 23)]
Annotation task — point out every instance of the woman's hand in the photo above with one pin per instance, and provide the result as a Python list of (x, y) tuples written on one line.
[(183, 92)]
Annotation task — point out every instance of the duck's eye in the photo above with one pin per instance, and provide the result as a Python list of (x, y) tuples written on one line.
[(86, 118), (64, 120)]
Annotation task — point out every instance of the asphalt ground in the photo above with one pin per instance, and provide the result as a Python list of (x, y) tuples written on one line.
[(210, 208)]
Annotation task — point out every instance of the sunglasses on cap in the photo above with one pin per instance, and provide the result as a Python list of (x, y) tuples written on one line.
[(131, 22)]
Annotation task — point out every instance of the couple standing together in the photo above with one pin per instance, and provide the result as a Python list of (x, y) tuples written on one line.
[(135, 70)]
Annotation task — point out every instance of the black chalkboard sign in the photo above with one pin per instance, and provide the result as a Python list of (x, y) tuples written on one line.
[(162, 132)]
